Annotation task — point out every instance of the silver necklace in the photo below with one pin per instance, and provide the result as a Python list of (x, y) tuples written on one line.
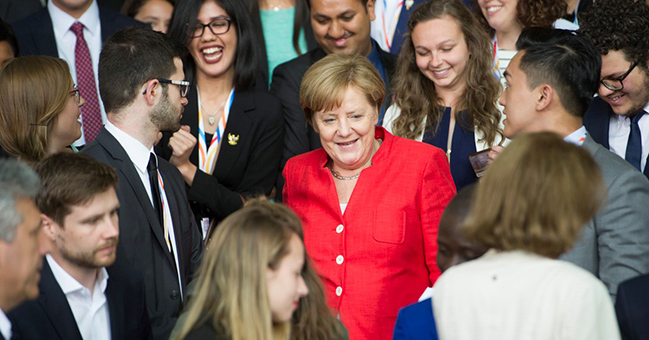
[(343, 178), (210, 117)]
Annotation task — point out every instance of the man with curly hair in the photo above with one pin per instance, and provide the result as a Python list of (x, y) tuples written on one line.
[(617, 119)]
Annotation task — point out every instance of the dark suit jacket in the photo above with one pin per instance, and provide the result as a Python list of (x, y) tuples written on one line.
[(247, 168), (299, 136), (142, 243), (50, 317), (35, 33), (416, 321), (597, 122), (632, 308)]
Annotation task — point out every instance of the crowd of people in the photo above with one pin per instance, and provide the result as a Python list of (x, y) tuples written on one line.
[(324, 169)]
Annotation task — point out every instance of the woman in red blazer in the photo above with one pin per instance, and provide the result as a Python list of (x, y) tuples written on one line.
[(370, 201)]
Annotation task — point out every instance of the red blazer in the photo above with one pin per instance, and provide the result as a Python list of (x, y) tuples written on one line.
[(381, 254)]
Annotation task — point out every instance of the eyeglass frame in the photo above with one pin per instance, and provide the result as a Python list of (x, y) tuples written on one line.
[(619, 79), (183, 85), (208, 25), (77, 94)]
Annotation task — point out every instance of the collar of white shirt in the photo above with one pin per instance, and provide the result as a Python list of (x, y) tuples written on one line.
[(136, 151), (68, 283), (577, 137), (5, 325), (62, 21)]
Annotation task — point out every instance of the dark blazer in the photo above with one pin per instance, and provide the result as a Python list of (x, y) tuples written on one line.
[(416, 321), (299, 136), (50, 317), (597, 122), (142, 243), (246, 168), (632, 308), (35, 33)]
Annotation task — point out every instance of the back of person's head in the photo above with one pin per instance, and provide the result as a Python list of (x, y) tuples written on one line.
[(61, 175), (325, 82), (536, 196), (452, 247), (130, 58), (8, 43), (231, 291), (619, 25), (34, 90), (17, 181), (566, 61), (247, 63)]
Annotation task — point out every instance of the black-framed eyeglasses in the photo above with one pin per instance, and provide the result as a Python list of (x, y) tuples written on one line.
[(616, 84), (76, 94), (182, 84), (216, 26)]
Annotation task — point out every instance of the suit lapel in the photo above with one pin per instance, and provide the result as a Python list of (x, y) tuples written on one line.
[(190, 117), (44, 35), (56, 306), (597, 121), (115, 310), (238, 127), (127, 169)]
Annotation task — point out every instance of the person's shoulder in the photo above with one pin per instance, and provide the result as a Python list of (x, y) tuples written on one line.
[(309, 159), (117, 20), (418, 310), (408, 148), (300, 63), (614, 168), (636, 285), (29, 21)]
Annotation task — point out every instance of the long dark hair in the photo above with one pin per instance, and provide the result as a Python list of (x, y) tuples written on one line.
[(247, 60)]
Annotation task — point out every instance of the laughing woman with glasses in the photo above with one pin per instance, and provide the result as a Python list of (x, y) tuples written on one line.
[(39, 108), (232, 146)]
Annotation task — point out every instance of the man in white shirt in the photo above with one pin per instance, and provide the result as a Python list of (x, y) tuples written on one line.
[(618, 118), (550, 83), (143, 88), (80, 298), (49, 32), (22, 242)]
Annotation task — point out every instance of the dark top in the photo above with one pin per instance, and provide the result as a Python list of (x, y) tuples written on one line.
[(246, 167), (416, 321), (462, 145), (632, 308)]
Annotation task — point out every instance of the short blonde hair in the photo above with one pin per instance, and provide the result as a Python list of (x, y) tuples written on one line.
[(536, 196), (35, 89), (325, 82)]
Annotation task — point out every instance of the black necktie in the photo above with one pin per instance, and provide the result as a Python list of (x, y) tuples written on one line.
[(152, 167), (634, 145)]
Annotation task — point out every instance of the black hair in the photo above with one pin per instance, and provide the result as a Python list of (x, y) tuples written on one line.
[(130, 58), (247, 62), (567, 61), (134, 7), (7, 34), (614, 25)]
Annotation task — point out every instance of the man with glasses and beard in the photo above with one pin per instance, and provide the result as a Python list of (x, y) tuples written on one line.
[(142, 85), (618, 118), (80, 298)]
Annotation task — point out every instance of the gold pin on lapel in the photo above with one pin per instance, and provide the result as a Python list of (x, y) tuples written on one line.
[(409, 4), (233, 139)]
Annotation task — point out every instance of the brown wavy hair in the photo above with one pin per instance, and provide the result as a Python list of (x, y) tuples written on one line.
[(416, 95), (536, 196), (530, 13)]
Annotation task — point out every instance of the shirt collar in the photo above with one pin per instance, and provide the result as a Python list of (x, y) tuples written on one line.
[(62, 21), (577, 137), (5, 325), (136, 151), (68, 283)]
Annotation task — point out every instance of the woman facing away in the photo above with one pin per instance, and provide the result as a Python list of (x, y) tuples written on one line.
[(370, 201), (529, 209), (39, 107), (255, 275), (445, 90), (232, 145)]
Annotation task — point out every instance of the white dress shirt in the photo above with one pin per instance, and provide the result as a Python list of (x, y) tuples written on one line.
[(618, 135), (66, 41), (139, 156), (90, 309), (5, 325)]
